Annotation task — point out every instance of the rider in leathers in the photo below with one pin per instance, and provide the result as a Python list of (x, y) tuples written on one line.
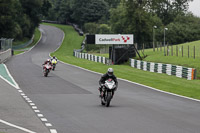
[(54, 57), (105, 77), (47, 61)]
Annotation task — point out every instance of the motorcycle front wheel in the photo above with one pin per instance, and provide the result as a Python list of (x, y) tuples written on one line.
[(46, 73), (108, 99), (102, 101)]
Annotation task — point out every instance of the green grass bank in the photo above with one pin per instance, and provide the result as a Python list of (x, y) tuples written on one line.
[(37, 35), (177, 59), (160, 81)]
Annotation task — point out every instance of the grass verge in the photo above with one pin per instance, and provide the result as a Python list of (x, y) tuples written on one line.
[(37, 35), (160, 81), (158, 56)]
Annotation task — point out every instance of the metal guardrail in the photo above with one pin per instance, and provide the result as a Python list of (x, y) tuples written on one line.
[(5, 55), (23, 45), (5, 49), (5, 44)]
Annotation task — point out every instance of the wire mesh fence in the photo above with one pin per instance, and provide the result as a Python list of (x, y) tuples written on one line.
[(183, 50), (5, 44)]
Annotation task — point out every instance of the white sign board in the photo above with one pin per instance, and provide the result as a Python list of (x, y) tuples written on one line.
[(114, 39)]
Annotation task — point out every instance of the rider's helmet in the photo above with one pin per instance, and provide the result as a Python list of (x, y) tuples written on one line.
[(48, 60), (110, 72), (54, 57)]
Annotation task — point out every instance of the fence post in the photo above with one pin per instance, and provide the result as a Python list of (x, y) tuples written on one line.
[(167, 49), (143, 47), (157, 45), (164, 50), (136, 46), (182, 51), (160, 46), (172, 50)]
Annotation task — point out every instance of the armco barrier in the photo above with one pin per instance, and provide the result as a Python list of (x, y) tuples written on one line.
[(23, 45), (178, 71), (91, 57), (5, 55)]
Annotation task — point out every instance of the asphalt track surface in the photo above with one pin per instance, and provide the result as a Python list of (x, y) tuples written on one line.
[(68, 98)]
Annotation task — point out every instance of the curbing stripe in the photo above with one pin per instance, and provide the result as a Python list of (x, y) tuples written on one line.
[(169, 69)]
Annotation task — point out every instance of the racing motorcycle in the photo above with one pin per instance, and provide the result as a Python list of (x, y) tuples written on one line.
[(46, 69), (54, 62), (108, 91)]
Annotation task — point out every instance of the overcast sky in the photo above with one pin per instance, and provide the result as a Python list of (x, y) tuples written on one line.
[(194, 7)]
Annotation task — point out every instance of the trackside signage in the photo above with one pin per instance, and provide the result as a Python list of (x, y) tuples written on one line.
[(114, 39)]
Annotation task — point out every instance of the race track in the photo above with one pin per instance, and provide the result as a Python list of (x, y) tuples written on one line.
[(69, 98)]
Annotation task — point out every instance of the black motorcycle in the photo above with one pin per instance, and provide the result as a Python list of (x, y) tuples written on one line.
[(108, 91)]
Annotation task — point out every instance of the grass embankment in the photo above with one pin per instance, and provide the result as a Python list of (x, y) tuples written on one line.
[(160, 81), (37, 35), (158, 56)]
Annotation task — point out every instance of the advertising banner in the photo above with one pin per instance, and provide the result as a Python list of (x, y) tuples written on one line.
[(114, 39)]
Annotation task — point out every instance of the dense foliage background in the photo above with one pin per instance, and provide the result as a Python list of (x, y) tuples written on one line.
[(20, 17)]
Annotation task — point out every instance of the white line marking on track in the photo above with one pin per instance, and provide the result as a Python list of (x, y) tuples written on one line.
[(53, 131), (20, 91), (22, 94), (32, 104), (43, 119), (15, 126), (34, 107), (48, 124), (8, 82), (16, 85), (37, 111), (25, 96), (40, 115), (29, 101)]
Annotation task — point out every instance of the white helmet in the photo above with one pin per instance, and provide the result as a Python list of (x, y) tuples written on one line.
[(48, 59), (110, 72)]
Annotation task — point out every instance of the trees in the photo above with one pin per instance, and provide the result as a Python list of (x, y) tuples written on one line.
[(113, 3), (32, 9), (85, 11), (8, 27), (130, 17), (138, 17), (185, 28), (167, 10), (19, 18)]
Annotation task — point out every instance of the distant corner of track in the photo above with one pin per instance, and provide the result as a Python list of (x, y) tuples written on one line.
[(41, 31)]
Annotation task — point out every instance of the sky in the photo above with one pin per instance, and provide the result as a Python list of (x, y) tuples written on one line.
[(194, 7)]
